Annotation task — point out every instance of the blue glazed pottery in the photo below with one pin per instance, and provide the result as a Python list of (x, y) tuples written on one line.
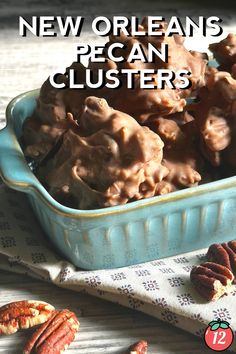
[(123, 235)]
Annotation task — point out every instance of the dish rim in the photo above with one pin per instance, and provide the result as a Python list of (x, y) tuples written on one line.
[(46, 198)]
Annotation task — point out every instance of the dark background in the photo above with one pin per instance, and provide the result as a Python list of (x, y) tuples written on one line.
[(10, 10)]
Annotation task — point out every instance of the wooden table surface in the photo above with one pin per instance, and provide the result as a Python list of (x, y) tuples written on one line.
[(24, 64), (105, 327)]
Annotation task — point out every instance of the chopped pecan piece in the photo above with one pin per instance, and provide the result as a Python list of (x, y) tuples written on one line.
[(23, 314), (224, 254), (212, 280), (54, 336), (139, 347)]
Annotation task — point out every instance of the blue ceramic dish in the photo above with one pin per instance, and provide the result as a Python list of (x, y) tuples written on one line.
[(123, 235)]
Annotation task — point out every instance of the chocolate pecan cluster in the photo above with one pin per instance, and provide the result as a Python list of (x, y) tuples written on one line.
[(56, 331), (225, 52), (102, 147), (215, 116), (144, 104), (112, 160)]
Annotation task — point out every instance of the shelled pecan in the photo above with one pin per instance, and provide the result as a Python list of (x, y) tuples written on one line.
[(224, 254), (23, 314), (212, 280), (139, 347), (54, 336)]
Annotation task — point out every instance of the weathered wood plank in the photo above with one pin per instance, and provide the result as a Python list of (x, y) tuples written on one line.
[(105, 327)]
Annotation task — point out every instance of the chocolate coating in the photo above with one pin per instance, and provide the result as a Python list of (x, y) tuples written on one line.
[(225, 51), (215, 115), (40, 138), (178, 56), (143, 104), (50, 119), (113, 160), (215, 130), (180, 154), (105, 147)]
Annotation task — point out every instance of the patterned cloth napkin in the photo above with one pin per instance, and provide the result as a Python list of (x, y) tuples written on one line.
[(159, 288)]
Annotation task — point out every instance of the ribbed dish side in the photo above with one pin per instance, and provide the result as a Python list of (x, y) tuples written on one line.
[(142, 239)]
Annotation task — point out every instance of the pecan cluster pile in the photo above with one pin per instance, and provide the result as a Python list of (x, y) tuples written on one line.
[(112, 161), (56, 331), (103, 147), (214, 278)]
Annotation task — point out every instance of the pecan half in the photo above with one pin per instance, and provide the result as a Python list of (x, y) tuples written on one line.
[(139, 347), (211, 280), (23, 314), (224, 254), (54, 336)]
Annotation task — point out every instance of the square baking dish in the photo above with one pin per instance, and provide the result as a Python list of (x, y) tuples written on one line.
[(124, 235)]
